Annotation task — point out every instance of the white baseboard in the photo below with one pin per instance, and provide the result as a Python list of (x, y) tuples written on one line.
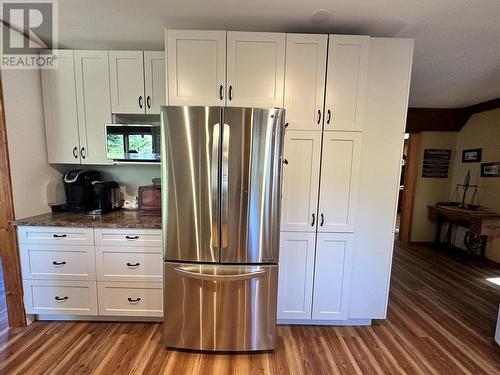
[(100, 318), (348, 322)]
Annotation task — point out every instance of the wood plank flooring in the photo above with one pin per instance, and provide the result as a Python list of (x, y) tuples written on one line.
[(441, 320)]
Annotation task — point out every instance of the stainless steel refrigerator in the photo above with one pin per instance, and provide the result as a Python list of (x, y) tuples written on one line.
[(221, 168)]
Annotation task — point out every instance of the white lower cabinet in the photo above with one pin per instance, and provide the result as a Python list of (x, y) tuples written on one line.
[(130, 299), (65, 274), (332, 276), (314, 276), (60, 297)]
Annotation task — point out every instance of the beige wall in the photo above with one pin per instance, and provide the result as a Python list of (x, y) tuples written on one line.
[(481, 131), (35, 183), (428, 191)]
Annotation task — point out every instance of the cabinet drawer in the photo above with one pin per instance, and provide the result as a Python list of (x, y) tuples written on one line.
[(129, 264), (57, 262), (60, 297), (127, 237), (130, 299), (55, 235)]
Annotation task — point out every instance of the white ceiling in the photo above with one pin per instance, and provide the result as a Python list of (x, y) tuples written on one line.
[(457, 42)]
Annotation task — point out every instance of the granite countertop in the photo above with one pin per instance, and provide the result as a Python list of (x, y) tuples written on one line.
[(116, 219)]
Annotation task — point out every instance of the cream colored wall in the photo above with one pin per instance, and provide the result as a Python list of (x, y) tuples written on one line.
[(481, 131), (35, 183), (428, 191)]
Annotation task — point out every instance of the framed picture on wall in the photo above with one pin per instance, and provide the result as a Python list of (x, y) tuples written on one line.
[(472, 155), (490, 169)]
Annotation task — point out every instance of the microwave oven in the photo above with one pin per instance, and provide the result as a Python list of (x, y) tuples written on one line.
[(133, 142)]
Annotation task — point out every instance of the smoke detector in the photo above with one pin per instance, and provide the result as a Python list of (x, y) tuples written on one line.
[(320, 16)]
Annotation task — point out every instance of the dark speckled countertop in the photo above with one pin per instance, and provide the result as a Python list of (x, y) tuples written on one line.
[(116, 219)]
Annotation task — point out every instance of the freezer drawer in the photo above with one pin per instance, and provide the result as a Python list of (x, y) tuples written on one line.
[(220, 307)]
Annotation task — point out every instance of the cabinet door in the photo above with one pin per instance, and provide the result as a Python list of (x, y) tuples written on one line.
[(126, 69), (196, 67), (346, 82), (305, 80), (155, 81), (93, 103), (295, 280), (300, 181), (255, 69), (339, 181), (59, 105), (332, 276)]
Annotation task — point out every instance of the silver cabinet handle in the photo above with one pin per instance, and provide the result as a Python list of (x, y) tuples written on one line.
[(193, 273)]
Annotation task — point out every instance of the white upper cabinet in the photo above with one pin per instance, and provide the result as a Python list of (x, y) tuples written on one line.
[(339, 181), (332, 276), (196, 67), (348, 59), (59, 103), (305, 77), (154, 81), (255, 69), (295, 279), (126, 69), (93, 102), (300, 181)]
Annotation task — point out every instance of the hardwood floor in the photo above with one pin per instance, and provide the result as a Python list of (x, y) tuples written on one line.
[(441, 320)]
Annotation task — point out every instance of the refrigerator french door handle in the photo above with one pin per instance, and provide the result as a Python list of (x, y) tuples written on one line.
[(225, 185), (214, 189), (192, 274)]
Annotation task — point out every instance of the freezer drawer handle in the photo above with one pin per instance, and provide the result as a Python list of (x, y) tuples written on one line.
[(203, 276)]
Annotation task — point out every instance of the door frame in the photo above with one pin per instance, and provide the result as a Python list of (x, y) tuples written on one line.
[(410, 181), (8, 240)]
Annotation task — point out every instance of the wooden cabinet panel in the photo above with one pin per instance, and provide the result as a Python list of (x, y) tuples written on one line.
[(155, 84), (295, 280), (332, 276), (305, 77), (300, 181), (339, 181), (196, 67), (93, 102), (55, 235), (60, 111), (255, 69), (126, 69), (348, 59), (128, 237)]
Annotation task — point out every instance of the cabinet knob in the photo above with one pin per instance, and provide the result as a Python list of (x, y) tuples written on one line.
[(285, 161), (140, 101)]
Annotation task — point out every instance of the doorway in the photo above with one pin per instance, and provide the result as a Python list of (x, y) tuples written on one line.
[(407, 182)]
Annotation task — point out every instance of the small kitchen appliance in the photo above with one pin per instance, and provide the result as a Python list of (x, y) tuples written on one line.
[(149, 197), (78, 190), (107, 197)]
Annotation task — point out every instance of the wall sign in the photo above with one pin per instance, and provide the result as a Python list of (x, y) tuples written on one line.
[(472, 155), (436, 163), (490, 169)]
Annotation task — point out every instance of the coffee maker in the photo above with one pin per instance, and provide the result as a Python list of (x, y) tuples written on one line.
[(79, 191), (107, 197)]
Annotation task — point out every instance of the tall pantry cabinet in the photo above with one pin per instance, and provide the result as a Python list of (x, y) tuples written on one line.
[(325, 91)]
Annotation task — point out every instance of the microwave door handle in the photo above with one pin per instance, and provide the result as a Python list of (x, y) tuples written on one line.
[(225, 185), (214, 184)]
